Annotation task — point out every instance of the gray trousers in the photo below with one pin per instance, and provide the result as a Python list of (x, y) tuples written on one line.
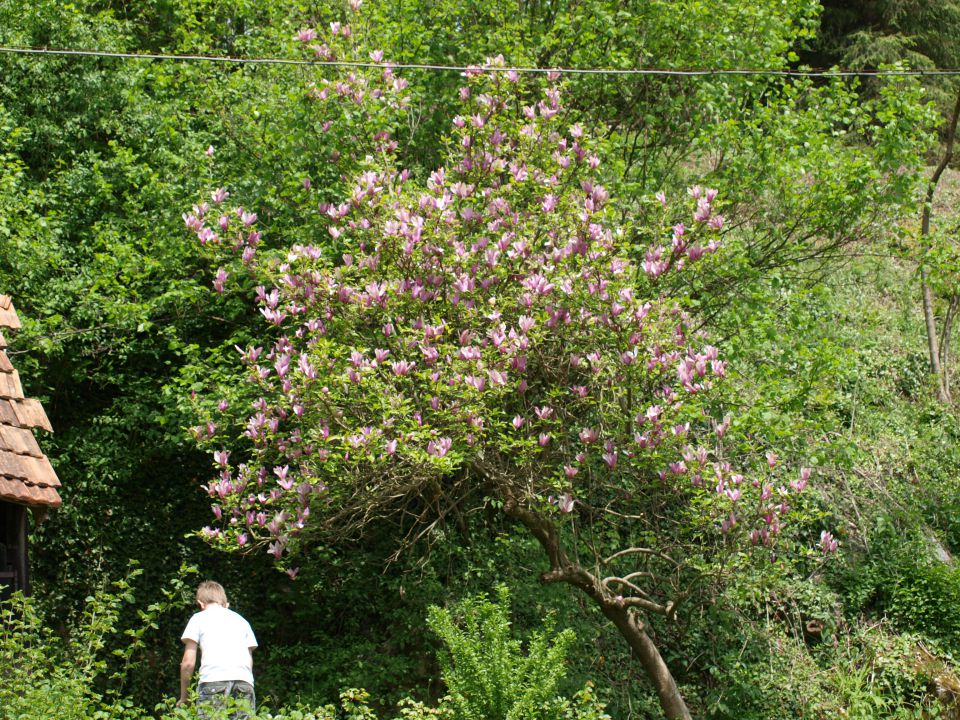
[(213, 696)]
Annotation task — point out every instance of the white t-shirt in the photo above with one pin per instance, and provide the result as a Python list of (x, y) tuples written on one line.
[(225, 641)]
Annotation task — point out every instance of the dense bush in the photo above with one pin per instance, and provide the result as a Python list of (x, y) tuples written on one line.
[(490, 674)]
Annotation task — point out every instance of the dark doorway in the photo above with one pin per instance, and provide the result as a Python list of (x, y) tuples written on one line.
[(13, 549)]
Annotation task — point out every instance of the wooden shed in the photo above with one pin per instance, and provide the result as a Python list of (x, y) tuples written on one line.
[(27, 480)]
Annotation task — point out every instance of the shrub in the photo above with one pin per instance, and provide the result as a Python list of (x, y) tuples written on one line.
[(490, 676)]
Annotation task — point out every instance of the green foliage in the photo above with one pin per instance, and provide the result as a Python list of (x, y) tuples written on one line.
[(487, 673), (99, 157), (904, 580), (921, 33), (78, 675), (490, 674), (49, 675)]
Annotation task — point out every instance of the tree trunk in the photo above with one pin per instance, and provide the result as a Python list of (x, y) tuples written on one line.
[(943, 387), (634, 632), (933, 347), (615, 609)]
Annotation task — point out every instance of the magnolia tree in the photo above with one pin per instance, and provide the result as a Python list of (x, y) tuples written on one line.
[(481, 337)]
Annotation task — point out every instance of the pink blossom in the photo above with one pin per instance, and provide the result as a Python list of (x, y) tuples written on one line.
[(439, 447), (799, 484), (589, 435), (402, 367), (497, 378), (827, 543), (728, 524), (565, 503), (220, 280), (544, 413)]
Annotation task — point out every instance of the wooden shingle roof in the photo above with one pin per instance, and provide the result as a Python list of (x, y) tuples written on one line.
[(26, 475)]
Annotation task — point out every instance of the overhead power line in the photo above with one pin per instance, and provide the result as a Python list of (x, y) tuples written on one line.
[(689, 72)]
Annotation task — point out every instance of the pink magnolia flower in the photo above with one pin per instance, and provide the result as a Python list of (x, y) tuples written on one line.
[(799, 484), (220, 280), (589, 435), (402, 367), (544, 413), (720, 429), (827, 543), (565, 502), (439, 447), (497, 378), (727, 525), (282, 477)]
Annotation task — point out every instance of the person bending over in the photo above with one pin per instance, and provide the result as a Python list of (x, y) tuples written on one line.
[(226, 642)]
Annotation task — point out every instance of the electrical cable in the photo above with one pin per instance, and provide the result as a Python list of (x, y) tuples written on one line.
[(690, 72)]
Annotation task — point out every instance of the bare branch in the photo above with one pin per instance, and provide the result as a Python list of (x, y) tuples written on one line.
[(641, 551)]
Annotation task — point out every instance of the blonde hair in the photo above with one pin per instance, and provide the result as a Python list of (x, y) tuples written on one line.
[(210, 592)]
